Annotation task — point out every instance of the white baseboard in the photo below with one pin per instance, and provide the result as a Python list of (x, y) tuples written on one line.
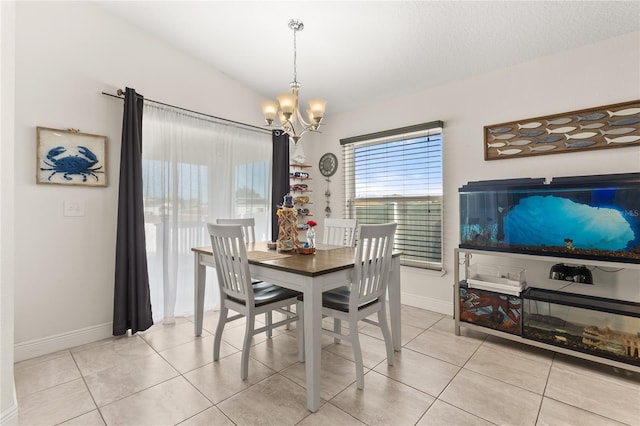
[(58, 342), (435, 305), (9, 417)]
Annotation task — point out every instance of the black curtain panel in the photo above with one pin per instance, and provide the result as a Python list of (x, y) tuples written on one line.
[(280, 176), (131, 304)]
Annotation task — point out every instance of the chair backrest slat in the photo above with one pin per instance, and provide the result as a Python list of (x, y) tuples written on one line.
[(341, 232), (232, 265), (248, 227), (372, 263)]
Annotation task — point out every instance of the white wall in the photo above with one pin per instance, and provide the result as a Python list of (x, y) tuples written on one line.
[(599, 74), (66, 54), (8, 404)]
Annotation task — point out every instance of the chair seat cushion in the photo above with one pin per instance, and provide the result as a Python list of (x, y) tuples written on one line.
[(265, 293), (258, 284), (338, 299)]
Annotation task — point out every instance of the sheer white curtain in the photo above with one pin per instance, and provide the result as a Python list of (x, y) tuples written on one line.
[(194, 171)]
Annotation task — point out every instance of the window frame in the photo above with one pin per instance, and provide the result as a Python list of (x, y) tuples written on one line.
[(349, 145)]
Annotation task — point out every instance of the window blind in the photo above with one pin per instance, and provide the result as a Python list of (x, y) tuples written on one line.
[(396, 176)]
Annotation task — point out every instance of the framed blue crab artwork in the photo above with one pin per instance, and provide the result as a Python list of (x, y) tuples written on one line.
[(68, 157)]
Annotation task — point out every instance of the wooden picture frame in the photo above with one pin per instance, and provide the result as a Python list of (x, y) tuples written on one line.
[(68, 157), (604, 127)]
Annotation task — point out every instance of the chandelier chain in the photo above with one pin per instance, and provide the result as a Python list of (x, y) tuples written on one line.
[(295, 50)]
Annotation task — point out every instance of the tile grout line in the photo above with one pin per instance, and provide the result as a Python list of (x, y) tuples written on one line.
[(213, 405), (484, 339), (88, 390), (555, 354), (500, 380), (139, 337), (187, 380), (546, 383)]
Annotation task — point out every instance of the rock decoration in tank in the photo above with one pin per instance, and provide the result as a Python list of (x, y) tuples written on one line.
[(610, 340), (573, 225)]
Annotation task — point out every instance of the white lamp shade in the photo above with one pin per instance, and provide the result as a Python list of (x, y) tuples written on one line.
[(317, 107), (287, 103), (270, 109)]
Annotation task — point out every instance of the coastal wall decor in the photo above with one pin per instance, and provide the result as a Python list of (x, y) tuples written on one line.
[(69, 157), (608, 126)]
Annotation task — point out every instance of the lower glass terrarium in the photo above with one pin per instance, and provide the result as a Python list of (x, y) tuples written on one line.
[(603, 327), (490, 309)]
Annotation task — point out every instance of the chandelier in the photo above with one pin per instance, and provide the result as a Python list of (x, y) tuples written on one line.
[(291, 120)]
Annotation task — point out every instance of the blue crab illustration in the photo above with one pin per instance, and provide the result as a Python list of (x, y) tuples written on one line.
[(70, 165)]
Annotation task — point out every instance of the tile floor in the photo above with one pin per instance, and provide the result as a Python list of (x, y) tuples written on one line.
[(165, 376)]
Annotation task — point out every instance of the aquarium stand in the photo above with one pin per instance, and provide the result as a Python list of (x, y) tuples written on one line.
[(586, 341)]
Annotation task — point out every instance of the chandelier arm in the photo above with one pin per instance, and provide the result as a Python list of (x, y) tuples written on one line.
[(295, 135), (300, 119), (309, 129), (292, 132), (306, 129), (297, 116)]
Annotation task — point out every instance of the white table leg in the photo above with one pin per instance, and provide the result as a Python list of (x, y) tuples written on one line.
[(394, 303), (200, 274), (312, 331)]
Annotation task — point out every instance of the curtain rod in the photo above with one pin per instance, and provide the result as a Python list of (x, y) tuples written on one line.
[(120, 94)]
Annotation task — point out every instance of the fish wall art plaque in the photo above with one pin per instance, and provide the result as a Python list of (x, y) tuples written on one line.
[(608, 126), (69, 157)]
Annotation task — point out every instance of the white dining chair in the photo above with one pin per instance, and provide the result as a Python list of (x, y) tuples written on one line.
[(339, 232), (239, 295), (248, 227), (366, 295), (249, 232)]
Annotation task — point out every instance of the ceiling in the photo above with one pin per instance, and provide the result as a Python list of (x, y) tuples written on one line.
[(354, 53)]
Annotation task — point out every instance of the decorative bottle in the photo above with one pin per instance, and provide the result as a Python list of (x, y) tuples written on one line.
[(311, 237)]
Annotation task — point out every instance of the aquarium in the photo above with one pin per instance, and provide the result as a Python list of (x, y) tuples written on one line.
[(490, 309), (584, 217), (603, 327)]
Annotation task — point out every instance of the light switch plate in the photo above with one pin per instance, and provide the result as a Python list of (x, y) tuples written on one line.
[(73, 208)]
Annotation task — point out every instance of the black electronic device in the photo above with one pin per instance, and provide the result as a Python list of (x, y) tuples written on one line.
[(576, 274)]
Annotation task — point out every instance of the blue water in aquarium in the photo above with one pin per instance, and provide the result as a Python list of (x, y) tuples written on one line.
[(556, 221)]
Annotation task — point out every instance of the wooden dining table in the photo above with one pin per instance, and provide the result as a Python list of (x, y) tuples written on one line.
[(328, 268)]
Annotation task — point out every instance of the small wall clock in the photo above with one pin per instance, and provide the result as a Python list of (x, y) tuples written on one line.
[(328, 164)]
